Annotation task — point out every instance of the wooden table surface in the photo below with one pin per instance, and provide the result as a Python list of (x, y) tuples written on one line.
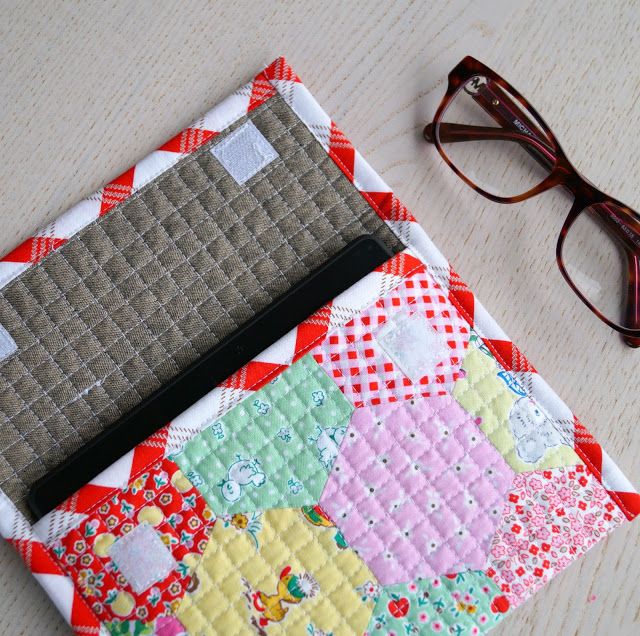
[(88, 88)]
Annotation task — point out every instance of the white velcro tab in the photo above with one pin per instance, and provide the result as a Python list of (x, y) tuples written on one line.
[(142, 558), (413, 344), (244, 152), (8, 345)]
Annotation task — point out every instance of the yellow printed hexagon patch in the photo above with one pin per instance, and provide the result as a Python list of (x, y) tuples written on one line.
[(515, 425), (281, 571)]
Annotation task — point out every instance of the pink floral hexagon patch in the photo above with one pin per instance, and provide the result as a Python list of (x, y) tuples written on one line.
[(417, 489), (551, 517)]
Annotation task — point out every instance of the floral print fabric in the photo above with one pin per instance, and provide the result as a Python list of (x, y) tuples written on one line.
[(417, 489), (162, 499), (551, 517), (463, 604)]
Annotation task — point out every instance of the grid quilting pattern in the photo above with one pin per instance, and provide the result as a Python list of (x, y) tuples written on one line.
[(275, 448), (134, 298), (417, 489), (235, 570), (162, 499)]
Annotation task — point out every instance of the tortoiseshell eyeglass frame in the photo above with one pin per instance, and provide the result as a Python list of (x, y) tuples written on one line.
[(495, 95)]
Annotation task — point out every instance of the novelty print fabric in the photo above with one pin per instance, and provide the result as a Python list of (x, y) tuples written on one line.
[(394, 465), (292, 573), (464, 603), (273, 450), (515, 424)]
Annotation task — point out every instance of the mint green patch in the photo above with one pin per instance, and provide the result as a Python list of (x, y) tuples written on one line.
[(470, 603), (273, 450), (130, 628)]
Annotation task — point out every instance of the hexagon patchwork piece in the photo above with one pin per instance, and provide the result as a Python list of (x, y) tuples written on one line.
[(551, 517), (515, 424), (281, 571), (463, 604), (408, 344), (275, 448), (159, 512), (417, 489)]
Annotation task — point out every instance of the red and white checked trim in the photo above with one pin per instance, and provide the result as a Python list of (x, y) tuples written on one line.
[(277, 77), (35, 248), (43, 565)]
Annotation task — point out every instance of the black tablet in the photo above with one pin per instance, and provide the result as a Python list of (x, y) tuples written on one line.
[(354, 261)]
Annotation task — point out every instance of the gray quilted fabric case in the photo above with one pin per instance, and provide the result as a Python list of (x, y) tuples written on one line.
[(141, 293)]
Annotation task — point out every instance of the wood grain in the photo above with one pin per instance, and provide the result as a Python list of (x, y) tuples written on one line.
[(90, 87)]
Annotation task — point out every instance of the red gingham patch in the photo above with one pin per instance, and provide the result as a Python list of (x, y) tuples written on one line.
[(363, 370)]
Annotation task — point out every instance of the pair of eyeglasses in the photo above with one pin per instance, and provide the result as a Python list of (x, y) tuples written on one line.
[(497, 143)]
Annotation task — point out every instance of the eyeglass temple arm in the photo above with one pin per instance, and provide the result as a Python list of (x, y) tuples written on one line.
[(632, 308), (515, 124), (629, 239)]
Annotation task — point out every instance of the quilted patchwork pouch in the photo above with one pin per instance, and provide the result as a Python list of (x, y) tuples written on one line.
[(392, 465)]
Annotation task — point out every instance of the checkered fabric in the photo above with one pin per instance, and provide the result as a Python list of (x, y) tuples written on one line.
[(355, 359)]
